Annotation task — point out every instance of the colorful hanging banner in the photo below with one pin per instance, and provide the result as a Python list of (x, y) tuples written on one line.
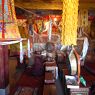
[(8, 23), (21, 52), (50, 30), (9, 11), (29, 49)]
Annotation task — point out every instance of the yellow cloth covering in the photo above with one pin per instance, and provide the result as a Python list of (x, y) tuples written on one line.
[(69, 22)]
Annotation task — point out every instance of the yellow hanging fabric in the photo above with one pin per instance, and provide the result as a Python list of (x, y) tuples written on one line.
[(69, 22)]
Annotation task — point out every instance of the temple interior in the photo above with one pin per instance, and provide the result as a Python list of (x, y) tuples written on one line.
[(47, 47)]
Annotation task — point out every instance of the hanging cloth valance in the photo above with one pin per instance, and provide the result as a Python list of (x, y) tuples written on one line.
[(11, 42)]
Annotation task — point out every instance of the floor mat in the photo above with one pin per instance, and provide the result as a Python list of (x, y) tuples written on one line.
[(30, 85), (30, 81)]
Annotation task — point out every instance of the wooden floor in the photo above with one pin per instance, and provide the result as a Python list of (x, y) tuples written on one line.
[(52, 89)]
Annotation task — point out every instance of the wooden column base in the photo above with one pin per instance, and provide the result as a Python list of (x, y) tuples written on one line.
[(4, 70), (5, 91)]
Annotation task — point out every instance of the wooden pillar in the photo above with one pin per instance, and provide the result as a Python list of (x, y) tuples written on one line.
[(69, 22), (4, 71)]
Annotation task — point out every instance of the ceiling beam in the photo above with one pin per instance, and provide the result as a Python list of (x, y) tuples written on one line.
[(87, 5), (87, 1), (40, 5)]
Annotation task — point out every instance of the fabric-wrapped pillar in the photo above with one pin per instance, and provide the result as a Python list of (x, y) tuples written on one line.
[(8, 32), (69, 22), (4, 71)]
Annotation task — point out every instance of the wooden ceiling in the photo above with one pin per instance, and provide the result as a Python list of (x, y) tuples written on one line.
[(50, 5), (87, 1), (82, 1)]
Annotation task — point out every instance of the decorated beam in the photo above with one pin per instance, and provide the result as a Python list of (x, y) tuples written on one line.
[(40, 5)]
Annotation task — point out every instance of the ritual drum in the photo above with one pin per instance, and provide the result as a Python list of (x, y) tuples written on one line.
[(74, 63)]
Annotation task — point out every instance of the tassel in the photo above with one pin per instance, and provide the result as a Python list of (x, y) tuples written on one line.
[(21, 52), (29, 50)]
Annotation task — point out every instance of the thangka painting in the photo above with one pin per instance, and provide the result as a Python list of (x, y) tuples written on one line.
[(43, 27), (40, 25)]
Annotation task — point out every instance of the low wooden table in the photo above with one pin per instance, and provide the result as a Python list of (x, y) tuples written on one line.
[(80, 91), (51, 72)]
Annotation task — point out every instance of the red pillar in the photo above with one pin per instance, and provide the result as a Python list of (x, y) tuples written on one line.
[(4, 71)]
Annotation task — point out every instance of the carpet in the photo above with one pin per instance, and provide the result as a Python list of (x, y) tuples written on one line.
[(29, 84), (28, 80)]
